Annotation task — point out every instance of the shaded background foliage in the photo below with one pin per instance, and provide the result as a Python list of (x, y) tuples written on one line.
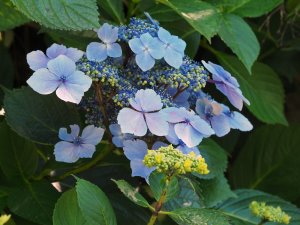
[(257, 41)]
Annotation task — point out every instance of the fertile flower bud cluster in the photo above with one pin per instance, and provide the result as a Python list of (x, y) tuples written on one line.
[(269, 213), (169, 160)]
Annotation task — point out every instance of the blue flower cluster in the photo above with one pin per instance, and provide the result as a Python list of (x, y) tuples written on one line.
[(145, 91)]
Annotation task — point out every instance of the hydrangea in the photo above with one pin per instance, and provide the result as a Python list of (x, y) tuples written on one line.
[(37, 59), (227, 84), (189, 127), (100, 51), (173, 47), (147, 49), (62, 76), (135, 151), (145, 113), (73, 147), (118, 137)]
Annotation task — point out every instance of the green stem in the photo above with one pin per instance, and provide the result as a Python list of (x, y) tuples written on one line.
[(160, 202)]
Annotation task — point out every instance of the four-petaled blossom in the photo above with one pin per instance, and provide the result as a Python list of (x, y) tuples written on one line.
[(220, 117), (173, 47), (37, 59), (135, 151), (99, 51), (62, 76), (73, 147), (118, 136), (189, 127), (146, 113), (227, 84), (147, 49)]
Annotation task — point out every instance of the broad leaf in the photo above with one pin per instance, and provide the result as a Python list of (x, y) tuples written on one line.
[(67, 211), (269, 161), (263, 89), (131, 193), (34, 202), (191, 216), (200, 15), (213, 191), (9, 16), (239, 37), (114, 9), (61, 14), (187, 196), (38, 117), (215, 157), (237, 209), (94, 204), (157, 185), (18, 156)]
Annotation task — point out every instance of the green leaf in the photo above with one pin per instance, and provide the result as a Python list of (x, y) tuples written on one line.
[(131, 193), (263, 89), (253, 8), (215, 157), (38, 117), (9, 16), (157, 185), (34, 202), (245, 46), (269, 161), (67, 211), (18, 157), (187, 196), (114, 8), (213, 191), (237, 209), (94, 204), (61, 14), (200, 15), (191, 216)]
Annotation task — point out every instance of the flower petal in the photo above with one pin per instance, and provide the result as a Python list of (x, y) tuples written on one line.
[(132, 122), (62, 66), (115, 129), (75, 130), (96, 51), (156, 49), (92, 135), (43, 81), (186, 150), (174, 115), (158, 144), (79, 78), (66, 152), (178, 44), (157, 123), (164, 35), (145, 61), (114, 50), (118, 141), (70, 93), (140, 170), (173, 58), (146, 39), (74, 54), (238, 121), (148, 100), (172, 137), (135, 149), (201, 126), (190, 136), (107, 33), (234, 95), (220, 125), (55, 50), (37, 60), (136, 45), (86, 150)]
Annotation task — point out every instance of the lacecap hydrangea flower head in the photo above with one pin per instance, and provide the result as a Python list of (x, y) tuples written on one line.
[(144, 91)]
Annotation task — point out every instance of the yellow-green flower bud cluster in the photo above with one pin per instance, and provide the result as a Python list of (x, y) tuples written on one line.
[(269, 213), (170, 160)]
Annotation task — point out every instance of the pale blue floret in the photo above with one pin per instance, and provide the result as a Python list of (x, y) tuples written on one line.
[(118, 136), (135, 151), (147, 49), (73, 147), (227, 84), (188, 126), (173, 48), (37, 59), (62, 76), (96, 51), (145, 114)]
